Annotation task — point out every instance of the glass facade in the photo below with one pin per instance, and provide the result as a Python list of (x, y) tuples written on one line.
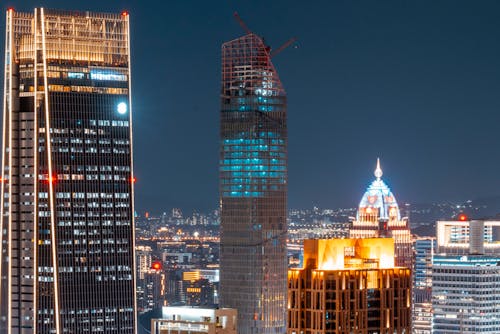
[(422, 285), (465, 294), (253, 187), (67, 179)]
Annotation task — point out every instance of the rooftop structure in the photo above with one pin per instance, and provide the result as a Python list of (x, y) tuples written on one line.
[(378, 216), (195, 320), (453, 236), (349, 286)]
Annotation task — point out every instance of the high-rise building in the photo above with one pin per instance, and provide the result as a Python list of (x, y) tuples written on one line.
[(378, 216), (253, 187), (422, 286), (465, 286), (465, 294), (349, 286), (453, 236), (67, 177)]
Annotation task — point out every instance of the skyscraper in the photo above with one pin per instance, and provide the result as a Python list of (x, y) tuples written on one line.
[(465, 295), (253, 187), (466, 279), (378, 216), (349, 286), (67, 225), (422, 285)]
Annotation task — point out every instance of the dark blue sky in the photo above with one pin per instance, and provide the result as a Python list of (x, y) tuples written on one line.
[(414, 82)]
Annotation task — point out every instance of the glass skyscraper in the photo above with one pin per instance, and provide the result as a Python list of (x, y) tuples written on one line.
[(253, 187), (67, 263), (422, 285)]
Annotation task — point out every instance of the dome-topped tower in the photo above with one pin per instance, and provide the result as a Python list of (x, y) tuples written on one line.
[(378, 217), (378, 202)]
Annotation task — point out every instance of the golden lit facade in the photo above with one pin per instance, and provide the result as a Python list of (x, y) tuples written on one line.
[(378, 217), (349, 286), (67, 207)]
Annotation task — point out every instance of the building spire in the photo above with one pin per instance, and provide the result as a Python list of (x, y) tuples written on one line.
[(378, 171)]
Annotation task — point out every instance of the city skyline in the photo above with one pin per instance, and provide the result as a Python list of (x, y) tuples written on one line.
[(413, 84)]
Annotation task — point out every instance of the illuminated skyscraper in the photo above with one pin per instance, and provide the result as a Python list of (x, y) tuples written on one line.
[(349, 286), (67, 225), (253, 187), (378, 216)]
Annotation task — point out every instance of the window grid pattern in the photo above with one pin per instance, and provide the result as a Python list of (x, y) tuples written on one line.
[(253, 187), (87, 195)]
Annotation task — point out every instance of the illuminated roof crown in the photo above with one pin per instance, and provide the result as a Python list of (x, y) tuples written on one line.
[(379, 197)]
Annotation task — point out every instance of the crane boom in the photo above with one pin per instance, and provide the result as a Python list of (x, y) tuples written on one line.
[(242, 23), (283, 47)]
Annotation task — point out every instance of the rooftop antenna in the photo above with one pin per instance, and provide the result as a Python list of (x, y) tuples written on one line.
[(241, 22)]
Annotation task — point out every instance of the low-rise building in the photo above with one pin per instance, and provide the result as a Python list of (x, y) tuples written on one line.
[(193, 320)]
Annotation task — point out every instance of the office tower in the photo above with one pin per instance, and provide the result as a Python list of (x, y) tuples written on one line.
[(378, 216), (422, 286), (465, 288), (195, 320), (453, 236), (465, 294), (253, 187), (67, 179), (349, 286)]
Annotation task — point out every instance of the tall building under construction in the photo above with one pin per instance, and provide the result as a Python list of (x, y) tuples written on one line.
[(67, 241), (253, 187)]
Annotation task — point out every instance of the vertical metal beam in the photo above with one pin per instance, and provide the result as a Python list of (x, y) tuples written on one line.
[(132, 177), (5, 120), (10, 25), (35, 175), (50, 180)]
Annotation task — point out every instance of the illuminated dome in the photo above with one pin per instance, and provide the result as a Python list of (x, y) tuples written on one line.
[(378, 202)]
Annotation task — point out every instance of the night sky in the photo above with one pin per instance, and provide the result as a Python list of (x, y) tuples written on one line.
[(416, 83)]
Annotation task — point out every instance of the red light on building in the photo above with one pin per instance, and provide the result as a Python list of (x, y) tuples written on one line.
[(156, 265), (133, 179), (10, 9), (463, 217), (51, 179), (124, 13), (147, 214)]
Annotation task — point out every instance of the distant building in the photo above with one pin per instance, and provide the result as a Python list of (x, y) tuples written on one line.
[(152, 289), (465, 287), (465, 294), (190, 320), (422, 286), (378, 217), (143, 260), (453, 236), (349, 286)]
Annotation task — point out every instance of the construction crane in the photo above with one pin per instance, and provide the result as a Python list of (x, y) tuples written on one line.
[(242, 23), (248, 31), (283, 47)]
